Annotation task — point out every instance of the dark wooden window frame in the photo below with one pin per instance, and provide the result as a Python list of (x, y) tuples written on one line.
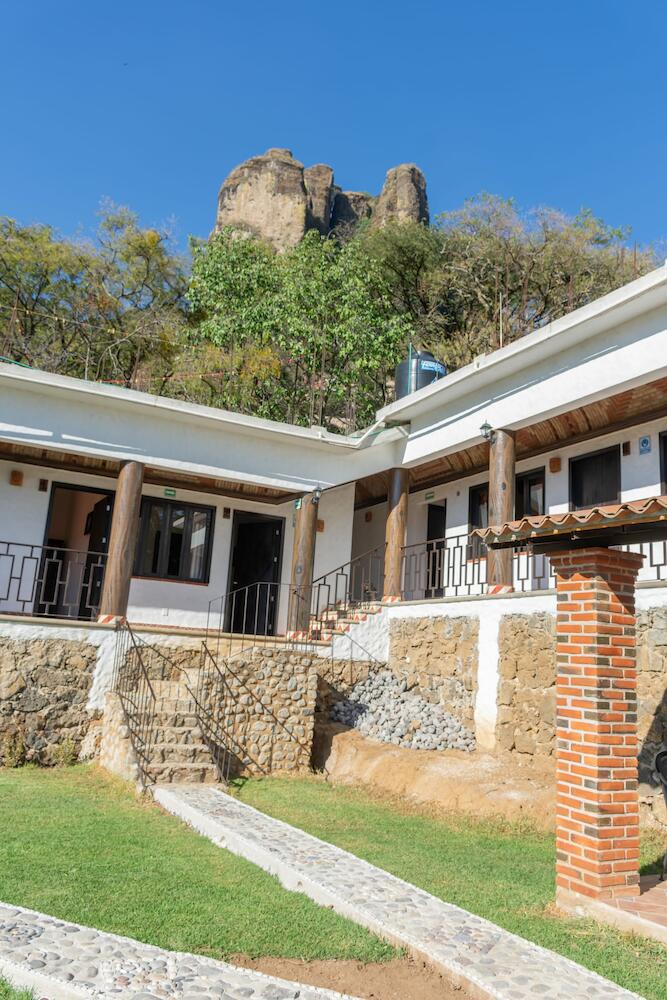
[(476, 548), (147, 502), (531, 473), (614, 448), (662, 444)]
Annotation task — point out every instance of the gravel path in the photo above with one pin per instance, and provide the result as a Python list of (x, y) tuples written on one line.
[(62, 961), (469, 949)]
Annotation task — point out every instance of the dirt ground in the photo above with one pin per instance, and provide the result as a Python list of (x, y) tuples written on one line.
[(478, 784), (401, 979)]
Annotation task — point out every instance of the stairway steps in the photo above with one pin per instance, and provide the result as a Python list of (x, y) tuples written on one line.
[(183, 772), (180, 753)]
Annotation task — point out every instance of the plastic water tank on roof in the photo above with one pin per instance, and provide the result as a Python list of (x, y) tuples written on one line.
[(420, 368)]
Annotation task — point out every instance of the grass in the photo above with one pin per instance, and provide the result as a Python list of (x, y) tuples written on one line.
[(496, 870), (8, 992), (81, 846)]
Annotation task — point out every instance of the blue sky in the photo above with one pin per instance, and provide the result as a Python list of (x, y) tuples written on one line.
[(152, 102)]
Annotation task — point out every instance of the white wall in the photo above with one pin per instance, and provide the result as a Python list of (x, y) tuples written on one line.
[(23, 515)]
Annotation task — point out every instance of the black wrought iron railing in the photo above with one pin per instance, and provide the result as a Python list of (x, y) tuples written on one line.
[(356, 583), (136, 665), (453, 566), (50, 581)]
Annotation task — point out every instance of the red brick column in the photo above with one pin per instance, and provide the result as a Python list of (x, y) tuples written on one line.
[(596, 726)]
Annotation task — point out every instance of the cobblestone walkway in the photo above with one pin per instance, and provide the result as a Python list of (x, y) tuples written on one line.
[(62, 960), (469, 949)]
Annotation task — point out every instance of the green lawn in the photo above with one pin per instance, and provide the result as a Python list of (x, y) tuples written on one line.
[(80, 845), (8, 993), (505, 874)]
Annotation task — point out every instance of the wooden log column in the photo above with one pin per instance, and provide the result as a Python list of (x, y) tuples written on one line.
[(499, 565), (597, 799), (303, 561), (122, 541), (397, 519)]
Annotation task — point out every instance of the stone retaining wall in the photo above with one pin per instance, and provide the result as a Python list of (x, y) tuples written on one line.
[(44, 688), (273, 694), (438, 657), (527, 684)]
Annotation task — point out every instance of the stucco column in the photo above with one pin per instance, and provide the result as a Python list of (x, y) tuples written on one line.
[(597, 801), (303, 561), (122, 541), (397, 519), (499, 564)]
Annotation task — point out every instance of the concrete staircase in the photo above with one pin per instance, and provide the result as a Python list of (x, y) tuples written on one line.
[(178, 752), (339, 621)]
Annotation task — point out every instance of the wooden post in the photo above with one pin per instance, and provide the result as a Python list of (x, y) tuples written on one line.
[(303, 560), (397, 519), (499, 565), (123, 541)]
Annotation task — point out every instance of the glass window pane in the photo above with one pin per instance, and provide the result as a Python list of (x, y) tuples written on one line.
[(149, 559), (175, 544), (195, 560)]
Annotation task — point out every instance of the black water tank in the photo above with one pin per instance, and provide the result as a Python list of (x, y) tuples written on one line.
[(420, 368)]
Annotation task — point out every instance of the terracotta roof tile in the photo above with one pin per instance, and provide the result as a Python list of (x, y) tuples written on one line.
[(645, 511)]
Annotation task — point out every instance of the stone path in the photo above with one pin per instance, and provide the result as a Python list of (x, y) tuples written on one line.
[(473, 952), (62, 961)]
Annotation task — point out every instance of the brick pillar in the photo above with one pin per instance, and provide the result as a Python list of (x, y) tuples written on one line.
[(596, 725)]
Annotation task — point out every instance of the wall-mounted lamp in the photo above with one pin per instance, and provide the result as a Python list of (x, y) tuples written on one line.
[(487, 432), (317, 493)]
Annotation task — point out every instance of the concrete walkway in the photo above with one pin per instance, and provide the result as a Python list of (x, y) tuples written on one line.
[(472, 952), (63, 961)]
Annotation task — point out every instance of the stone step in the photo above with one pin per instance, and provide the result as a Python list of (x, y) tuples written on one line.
[(175, 753), (175, 706), (178, 735), (184, 773), (176, 720)]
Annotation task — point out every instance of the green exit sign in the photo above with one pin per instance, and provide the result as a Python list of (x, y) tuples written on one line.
[(429, 496), (169, 491)]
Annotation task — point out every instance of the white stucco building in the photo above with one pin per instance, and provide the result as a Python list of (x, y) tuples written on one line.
[(582, 403)]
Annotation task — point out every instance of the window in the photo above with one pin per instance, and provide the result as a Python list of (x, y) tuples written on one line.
[(478, 517), (529, 498), (595, 479), (663, 462), (174, 541)]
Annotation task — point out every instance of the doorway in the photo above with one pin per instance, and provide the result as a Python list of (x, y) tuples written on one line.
[(76, 540), (436, 525), (254, 574)]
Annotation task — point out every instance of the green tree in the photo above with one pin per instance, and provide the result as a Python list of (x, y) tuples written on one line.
[(319, 317), (487, 273), (109, 309)]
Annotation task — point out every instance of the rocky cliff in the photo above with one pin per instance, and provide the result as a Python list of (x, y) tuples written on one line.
[(276, 198)]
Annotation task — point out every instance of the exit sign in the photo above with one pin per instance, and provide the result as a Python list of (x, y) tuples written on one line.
[(429, 496), (169, 491)]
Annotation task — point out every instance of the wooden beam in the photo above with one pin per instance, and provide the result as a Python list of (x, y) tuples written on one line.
[(397, 519), (502, 475), (303, 561), (123, 541)]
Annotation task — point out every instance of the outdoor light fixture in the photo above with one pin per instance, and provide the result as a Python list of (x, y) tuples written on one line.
[(487, 432), (317, 493)]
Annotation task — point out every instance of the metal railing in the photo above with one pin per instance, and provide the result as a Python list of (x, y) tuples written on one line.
[(134, 662), (452, 566), (49, 581), (455, 566), (354, 584)]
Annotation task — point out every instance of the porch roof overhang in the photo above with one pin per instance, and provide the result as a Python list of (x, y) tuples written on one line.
[(638, 405), (109, 468), (609, 524)]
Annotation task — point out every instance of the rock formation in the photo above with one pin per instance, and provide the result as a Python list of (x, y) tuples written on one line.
[(267, 196), (403, 196), (274, 197)]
